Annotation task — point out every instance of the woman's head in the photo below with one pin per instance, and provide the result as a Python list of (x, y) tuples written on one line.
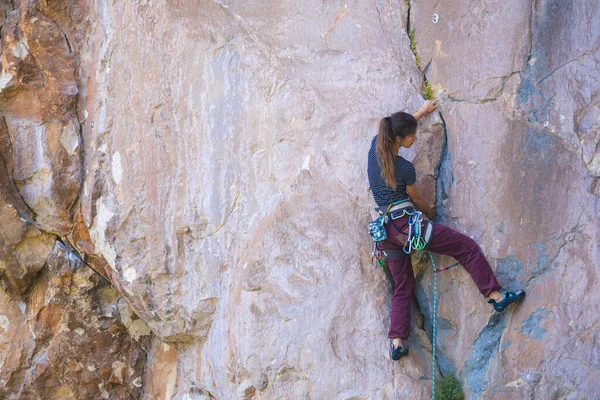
[(399, 129)]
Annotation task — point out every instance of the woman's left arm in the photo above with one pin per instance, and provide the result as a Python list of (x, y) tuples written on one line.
[(415, 196)]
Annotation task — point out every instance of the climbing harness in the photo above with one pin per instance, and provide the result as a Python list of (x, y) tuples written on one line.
[(377, 230), (419, 231)]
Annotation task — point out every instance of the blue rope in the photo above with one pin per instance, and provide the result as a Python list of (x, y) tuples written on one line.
[(434, 328)]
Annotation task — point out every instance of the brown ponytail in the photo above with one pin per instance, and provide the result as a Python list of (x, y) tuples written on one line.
[(399, 124)]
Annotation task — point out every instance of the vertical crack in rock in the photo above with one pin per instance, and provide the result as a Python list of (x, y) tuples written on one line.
[(77, 203), (443, 177), (564, 239), (9, 190), (530, 38), (488, 339), (483, 351)]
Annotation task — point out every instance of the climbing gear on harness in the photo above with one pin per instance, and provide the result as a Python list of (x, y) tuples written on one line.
[(378, 234), (378, 256), (397, 353), (434, 327), (415, 239), (419, 230), (376, 228), (507, 299)]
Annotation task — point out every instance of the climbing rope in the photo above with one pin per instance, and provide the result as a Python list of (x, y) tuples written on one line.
[(415, 241), (434, 326), (434, 321)]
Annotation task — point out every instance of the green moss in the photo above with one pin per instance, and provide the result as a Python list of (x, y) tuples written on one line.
[(34, 216), (413, 46), (448, 388), (427, 91)]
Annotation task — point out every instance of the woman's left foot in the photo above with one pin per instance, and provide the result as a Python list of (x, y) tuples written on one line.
[(398, 352), (507, 299)]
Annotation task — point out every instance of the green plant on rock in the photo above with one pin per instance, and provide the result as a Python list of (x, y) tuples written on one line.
[(448, 388), (413, 46), (427, 91)]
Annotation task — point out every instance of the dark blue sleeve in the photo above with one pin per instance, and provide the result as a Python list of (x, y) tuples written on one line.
[(405, 171), (410, 175)]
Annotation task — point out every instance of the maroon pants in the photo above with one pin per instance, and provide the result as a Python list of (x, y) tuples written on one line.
[(443, 241)]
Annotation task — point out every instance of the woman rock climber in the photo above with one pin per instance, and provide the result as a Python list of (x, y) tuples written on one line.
[(393, 182)]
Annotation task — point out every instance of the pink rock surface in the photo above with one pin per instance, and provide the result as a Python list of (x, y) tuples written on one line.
[(518, 177), (208, 160)]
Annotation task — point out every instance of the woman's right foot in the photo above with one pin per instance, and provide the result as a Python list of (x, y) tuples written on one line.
[(398, 352), (507, 299)]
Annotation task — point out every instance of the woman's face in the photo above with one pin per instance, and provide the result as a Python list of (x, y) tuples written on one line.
[(408, 140)]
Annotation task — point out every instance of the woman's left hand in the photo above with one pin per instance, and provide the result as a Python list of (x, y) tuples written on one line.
[(428, 106)]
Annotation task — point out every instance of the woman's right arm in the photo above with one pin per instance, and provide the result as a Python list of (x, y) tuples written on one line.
[(419, 202)]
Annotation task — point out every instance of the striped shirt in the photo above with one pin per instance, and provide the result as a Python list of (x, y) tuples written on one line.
[(404, 173)]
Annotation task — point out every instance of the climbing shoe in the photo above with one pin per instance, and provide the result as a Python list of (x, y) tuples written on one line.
[(507, 299), (398, 352)]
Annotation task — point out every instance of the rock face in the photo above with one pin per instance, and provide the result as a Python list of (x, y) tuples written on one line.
[(207, 160), (65, 332), (214, 200), (67, 340), (38, 96), (82, 347)]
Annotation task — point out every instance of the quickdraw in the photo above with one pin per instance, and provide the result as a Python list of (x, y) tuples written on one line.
[(415, 238), (436, 270), (378, 256)]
